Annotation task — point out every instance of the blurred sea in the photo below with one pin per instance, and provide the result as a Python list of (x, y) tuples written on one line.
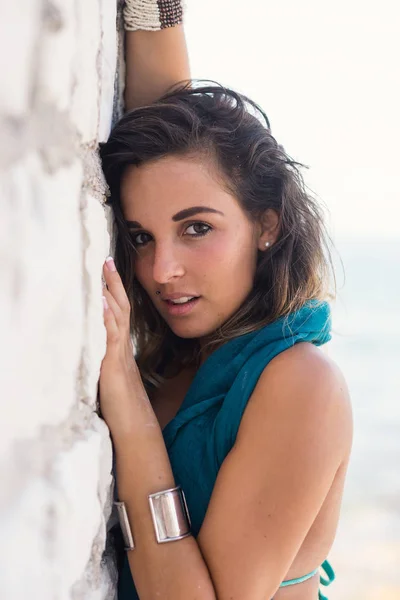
[(366, 346)]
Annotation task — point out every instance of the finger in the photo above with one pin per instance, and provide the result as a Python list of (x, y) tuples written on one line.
[(115, 284), (110, 322), (119, 316)]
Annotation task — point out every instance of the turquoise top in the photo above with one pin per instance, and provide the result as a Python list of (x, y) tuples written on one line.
[(204, 430)]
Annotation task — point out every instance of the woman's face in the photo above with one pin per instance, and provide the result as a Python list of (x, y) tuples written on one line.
[(210, 252)]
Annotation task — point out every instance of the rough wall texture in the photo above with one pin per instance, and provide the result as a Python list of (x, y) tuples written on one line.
[(61, 74)]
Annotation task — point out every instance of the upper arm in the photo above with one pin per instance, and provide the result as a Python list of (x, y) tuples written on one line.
[(155, 60), (293, 436)]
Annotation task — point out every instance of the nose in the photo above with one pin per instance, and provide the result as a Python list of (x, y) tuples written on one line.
[(167, 263)]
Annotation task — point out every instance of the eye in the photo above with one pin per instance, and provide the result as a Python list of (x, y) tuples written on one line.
[(136, 241), (200, 229), (203, 227)]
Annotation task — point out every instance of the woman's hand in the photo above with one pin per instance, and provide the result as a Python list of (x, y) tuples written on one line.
[(120, 386)]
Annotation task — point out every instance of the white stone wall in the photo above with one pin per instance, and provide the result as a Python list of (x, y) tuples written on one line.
[(61, 77)]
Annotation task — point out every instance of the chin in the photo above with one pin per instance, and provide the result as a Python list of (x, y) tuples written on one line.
[(192, 330)]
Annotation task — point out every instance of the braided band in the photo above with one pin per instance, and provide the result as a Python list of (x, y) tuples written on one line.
[(152, 15)]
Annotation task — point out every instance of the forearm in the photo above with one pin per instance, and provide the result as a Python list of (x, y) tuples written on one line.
[(155, 60), (173, 570)]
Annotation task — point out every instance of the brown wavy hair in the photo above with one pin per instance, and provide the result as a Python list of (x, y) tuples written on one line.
[(217, 123)]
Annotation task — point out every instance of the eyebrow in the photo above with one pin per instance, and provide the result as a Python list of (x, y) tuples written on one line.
[(183, 214)]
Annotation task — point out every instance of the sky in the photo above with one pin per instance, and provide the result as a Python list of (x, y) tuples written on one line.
[(327, 75)]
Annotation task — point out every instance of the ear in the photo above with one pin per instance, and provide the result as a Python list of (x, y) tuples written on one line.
[(268, 229)]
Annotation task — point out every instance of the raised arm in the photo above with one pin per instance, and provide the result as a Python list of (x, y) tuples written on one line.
[(155, 60)]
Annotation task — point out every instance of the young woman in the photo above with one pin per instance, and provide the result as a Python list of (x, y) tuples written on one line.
[(232, 429)]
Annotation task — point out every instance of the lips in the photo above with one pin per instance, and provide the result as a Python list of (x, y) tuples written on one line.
[(178, 295), (181, 309)]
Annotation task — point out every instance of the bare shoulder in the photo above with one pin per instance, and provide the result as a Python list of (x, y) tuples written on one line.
[(303, 385), (279, 487)]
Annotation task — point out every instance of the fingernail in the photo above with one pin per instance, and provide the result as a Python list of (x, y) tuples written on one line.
[(105, 303), (110, 263)]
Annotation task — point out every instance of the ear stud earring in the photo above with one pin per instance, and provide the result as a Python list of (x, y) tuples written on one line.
[(267, 244)]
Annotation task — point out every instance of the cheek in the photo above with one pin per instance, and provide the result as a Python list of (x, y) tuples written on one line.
[(143, 271), (213, 251), (230, 255)]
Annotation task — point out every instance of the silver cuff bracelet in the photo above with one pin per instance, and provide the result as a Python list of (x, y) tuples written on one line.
[(170, 516)]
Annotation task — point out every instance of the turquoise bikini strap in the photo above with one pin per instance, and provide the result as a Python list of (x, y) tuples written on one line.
[(331, 574), (299, 579), (328, 570)]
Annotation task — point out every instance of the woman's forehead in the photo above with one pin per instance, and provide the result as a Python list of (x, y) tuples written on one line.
[(171, 185), (171, 171)]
